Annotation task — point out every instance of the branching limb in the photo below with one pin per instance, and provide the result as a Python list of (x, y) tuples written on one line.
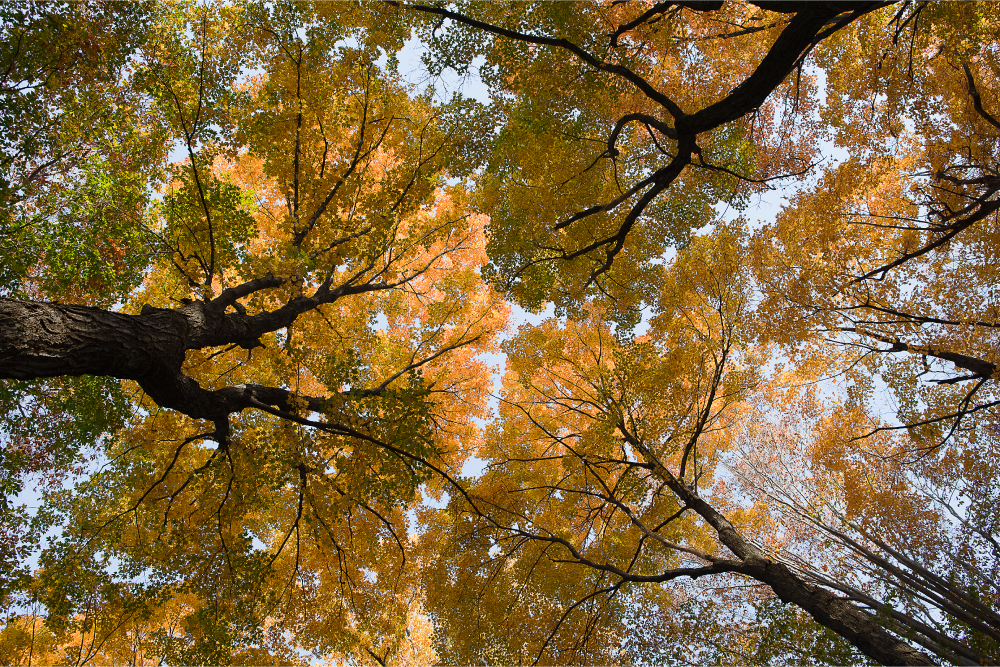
[(980, 368), (618, 70), (977, 101)]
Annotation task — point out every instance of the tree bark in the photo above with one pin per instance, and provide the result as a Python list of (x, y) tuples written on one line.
[(39, 340), (853, 624), (48, 339)]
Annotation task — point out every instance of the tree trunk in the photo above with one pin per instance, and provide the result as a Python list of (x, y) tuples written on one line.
[(843, 617), (39, 340), (853, 624)]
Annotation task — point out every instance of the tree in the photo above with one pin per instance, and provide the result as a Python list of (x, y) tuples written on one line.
[(638, 146), (914, 541), (76, 156), (310, 263), (79, 150), (614, 160), (904, 229), (602, 464), (888, 254), (274, 355)]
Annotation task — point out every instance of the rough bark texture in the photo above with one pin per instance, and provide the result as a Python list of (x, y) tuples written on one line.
[(40, 340), (48, 339)]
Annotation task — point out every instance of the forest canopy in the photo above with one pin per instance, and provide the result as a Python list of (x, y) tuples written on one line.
[(675, 341)]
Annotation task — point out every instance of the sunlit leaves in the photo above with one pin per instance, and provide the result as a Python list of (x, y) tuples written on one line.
[(825, 380), (79, 152), (291, 526), (565, 494)]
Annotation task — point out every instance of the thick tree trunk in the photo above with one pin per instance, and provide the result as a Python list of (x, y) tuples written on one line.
[(47, 340), (40, 340)]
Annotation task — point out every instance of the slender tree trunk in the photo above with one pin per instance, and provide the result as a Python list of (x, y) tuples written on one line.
[(843, 617), (853, 624)]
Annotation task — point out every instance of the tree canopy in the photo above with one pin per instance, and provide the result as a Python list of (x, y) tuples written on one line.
[(302, 360)]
